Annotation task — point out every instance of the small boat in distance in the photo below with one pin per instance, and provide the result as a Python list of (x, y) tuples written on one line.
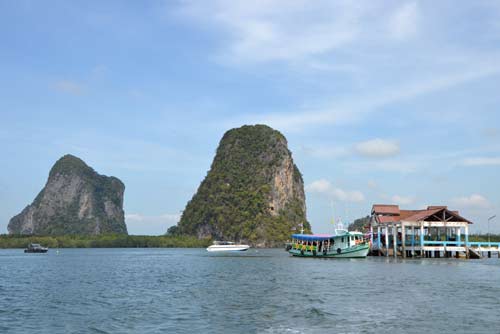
[(36, 248), (227, 246)]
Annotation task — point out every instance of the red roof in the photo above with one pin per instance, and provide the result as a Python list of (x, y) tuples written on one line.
[(421, 215), (385, 209), (432, 207), (387, 213), (387, 219), (407, 213)]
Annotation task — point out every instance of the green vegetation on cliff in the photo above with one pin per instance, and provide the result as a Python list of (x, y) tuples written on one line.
[(253, 191), (360, 224)]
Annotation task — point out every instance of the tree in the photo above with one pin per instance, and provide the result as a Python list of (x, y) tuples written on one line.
[(360, 224)]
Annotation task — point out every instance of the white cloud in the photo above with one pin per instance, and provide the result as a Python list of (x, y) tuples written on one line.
[(430, 163), (171, 217), (439, 82), (319, 186), (69, 87), (324, 66), (324, 187), (126, 152), (324, 151), (150, 225), (481, 161), (134, 217), (404, 21), (354, 40), (348, 195), (270, 30), (299, 120), (300, 30), (358, 108), (377, 148), (474, 201), (402, 200), (391, 165)]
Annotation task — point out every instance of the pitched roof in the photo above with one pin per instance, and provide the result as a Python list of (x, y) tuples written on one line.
[(432, 207), (385, 209), (386, 213), (387, 219), (404, 214), (421, 215)]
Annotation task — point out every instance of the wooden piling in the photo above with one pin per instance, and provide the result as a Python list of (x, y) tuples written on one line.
[(403, 240), (386, 241), (395, 240)]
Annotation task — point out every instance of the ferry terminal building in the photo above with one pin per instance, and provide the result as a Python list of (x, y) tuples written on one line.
[(432, 232)]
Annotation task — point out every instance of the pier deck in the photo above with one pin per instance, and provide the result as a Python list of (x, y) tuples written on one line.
[(441, 249)]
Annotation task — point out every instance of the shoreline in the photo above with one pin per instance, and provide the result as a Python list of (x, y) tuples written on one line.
[(103, 241), (113, 241), (139, 241)]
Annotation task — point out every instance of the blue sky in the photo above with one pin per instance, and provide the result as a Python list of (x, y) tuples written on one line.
[(381, 101)]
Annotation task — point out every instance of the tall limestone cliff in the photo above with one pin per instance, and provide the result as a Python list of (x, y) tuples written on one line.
[(75, 200), (253, 191)]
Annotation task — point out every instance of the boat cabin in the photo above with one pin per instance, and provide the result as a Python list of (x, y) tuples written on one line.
[(221, 243)]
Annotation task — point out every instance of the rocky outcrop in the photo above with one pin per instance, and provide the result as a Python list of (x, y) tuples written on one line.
[(253, 191), (75, 200)]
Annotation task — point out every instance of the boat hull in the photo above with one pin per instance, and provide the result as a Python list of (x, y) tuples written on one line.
[(359, 251), (36, 251), (225, 248)]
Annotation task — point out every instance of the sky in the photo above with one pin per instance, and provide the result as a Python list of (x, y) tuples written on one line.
[(393, 102)]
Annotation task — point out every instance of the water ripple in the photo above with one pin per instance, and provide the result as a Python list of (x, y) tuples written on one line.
[(264, 291)]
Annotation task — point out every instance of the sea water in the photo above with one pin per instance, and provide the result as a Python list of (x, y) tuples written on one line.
[(259, 291)]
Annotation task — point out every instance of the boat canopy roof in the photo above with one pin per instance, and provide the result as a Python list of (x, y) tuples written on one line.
[(223, 243), (313, 237)]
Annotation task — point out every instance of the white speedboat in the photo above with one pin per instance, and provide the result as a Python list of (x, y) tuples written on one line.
[(227, 246)]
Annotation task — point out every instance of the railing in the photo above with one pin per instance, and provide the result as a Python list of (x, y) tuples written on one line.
[(445, 243), (450, 243), (462, 244), (484, 244)]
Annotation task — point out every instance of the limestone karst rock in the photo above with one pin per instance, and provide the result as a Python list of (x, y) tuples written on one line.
[(253, 191), (75, 200)]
